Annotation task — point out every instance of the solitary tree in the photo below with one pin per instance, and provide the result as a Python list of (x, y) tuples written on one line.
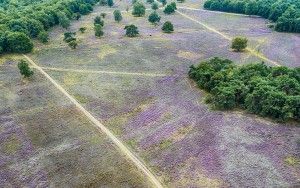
[(154, 18), (110, 3), (169, 9), (69, 36), (24, 69), (98, 30), (82, 29), (239, 44), (138, 9), (168, 27), (43, 37), (154, 6), (98, 20), (117, 15), (73, 44), (131, 30)]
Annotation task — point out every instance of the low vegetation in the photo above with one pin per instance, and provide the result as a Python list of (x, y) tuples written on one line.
[(239, 44), (25, 69), (131, 30), (285, 13), (168, 27), (267, 91)]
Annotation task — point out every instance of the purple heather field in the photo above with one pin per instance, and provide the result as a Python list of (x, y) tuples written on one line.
[(142, 93)]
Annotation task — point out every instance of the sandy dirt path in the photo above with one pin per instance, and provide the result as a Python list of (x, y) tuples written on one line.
[(138, 163)]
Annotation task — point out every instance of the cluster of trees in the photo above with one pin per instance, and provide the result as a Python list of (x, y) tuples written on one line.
[(267, 91), (285, 13), (22, 20)]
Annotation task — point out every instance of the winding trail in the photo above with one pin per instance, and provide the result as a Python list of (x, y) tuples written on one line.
[(250, 50), (138, 163)]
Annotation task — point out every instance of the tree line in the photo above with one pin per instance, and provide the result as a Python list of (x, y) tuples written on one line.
[(267, 91), (284, 13), (20, 21)]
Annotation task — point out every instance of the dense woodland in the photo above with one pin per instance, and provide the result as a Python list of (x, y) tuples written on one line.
[(284, 13), (267, 91), (25, 19)]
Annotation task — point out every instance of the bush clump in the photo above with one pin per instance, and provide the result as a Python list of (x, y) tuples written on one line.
[(25, 69), (267, 91), (139, 9), (131, 30), (239, 44), (169, 9), (168, 27)]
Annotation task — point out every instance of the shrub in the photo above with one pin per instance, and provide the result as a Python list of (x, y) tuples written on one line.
[(103, 2), (138, 9), (24, 69), (168, 27), (150, 1), (18, 42), (110, 3), (239, 44), (98, 21), (103, 15), (118, 16), (98, 30), (169, 9), (73, 44), (69, 36), (163, 2), (154, 6), (174, 5), (154, 18), (180, 1), (131, 30), (82, 29), (43, 37)]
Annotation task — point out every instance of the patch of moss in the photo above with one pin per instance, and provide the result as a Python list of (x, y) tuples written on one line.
[(292, 161)]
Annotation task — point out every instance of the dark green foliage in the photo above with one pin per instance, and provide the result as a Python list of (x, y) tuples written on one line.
[(180, 1), (163, 2), (24, 69), (103, 15), (239, 44), (154, 6), (169, 9), (18, 42), (73, 44), (98, 30), (150, 1), (168, 27), (117, 15), (43, 37), (131, 30), (138, 9), (174, 5), (154, 18), (33, 18), (69, 36), (103, 2), (98, 21), (82, 29), (285, 13), (110, 3), (267, 91)]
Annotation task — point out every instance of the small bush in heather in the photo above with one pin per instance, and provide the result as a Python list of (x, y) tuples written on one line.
[(98, 30), (103, 15), (103, 2), (118, 16), (73, 44), (138, 9), (69, 36), (82, 29), (163, 2), (110, 3), (154, 6), (180, 1), (131, 30), (168, 27), (99, 21), (24, 69), (174, 5), (239, 44), (43, 37), (169, 9), (154, 18)]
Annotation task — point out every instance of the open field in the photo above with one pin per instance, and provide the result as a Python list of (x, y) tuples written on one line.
[(139, 89)]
